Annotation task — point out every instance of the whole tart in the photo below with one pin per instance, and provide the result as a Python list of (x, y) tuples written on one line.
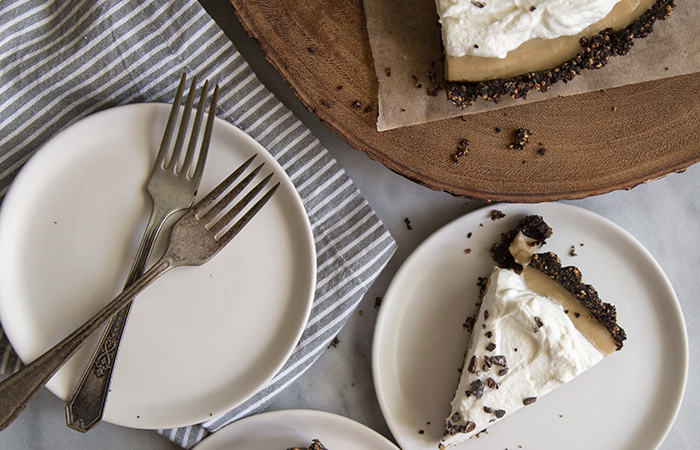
[(539, 326), (538, 64)]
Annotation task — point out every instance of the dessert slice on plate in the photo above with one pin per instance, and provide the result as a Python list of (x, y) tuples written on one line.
[(538, 327)]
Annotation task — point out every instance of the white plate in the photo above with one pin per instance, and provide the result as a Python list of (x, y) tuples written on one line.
[(628, 401), (200, 340), (280, 430)]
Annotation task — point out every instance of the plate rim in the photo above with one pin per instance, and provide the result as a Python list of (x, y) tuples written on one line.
[(535, 209), (36, 163)]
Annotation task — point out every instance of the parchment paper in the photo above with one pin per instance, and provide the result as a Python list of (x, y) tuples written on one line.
[(406, 46)]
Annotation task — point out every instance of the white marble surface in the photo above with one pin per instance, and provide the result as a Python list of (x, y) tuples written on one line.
[(664, 215)]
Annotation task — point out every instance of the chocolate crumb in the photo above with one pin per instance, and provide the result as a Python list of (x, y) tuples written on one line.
[(497, 129), (572, 251), (334, 343), (529, 401), (339, 88), (408, 224), (491, 383), (542, 151), (416, 82), (489, 334), (477, 388), (467, 250), (469, 324), (577, 315), (469, 235), (462, 149), (532, 8), (421, 431), (499, 360), (387, 71), (496, 214), (357, 104), (377, 302), (472, 364), (486, 314), (521, 138)]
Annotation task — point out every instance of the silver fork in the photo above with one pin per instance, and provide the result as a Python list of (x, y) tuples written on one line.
[(195, 238), (172, 187)]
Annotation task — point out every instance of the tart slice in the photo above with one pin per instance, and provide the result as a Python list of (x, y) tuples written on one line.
[(538, 327)]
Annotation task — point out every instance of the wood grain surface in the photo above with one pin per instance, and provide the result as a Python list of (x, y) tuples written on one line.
[(595, 143)]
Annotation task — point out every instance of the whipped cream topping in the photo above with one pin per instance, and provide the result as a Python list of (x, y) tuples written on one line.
[(523, 346), (492, 28)]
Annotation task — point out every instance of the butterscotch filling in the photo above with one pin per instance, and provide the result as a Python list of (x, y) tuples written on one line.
[(522, 248), (582, 318), (540, 54)]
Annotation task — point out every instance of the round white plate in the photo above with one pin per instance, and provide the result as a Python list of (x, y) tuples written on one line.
[(200, 340), (280, 430), (628, 401)]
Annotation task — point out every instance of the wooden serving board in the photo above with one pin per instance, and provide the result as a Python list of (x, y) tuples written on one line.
[(596, 142)]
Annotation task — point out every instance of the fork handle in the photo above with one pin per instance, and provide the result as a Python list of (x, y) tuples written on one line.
[(85, 407), (17, 390)]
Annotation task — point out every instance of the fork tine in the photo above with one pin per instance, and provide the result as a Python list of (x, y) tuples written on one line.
[(172, 118), (192, 146), (199, 168), (221, 188), (230, 196), (243, 221), (184, 121), (230, 214)]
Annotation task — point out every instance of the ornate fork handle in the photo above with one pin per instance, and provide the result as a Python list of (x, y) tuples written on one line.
[(17, 390), (84, 408)]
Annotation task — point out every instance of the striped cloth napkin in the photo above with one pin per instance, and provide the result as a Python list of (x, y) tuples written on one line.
[(63, 60)]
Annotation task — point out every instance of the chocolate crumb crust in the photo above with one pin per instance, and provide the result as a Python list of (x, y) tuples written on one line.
[(570, 278), (532, 226), (315, 445), (595, 54)]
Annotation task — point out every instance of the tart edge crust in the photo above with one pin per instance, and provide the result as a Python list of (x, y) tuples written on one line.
[(596, 52), (569, 277)]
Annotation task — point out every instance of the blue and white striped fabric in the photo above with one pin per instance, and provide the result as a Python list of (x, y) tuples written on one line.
[(63, 60)]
